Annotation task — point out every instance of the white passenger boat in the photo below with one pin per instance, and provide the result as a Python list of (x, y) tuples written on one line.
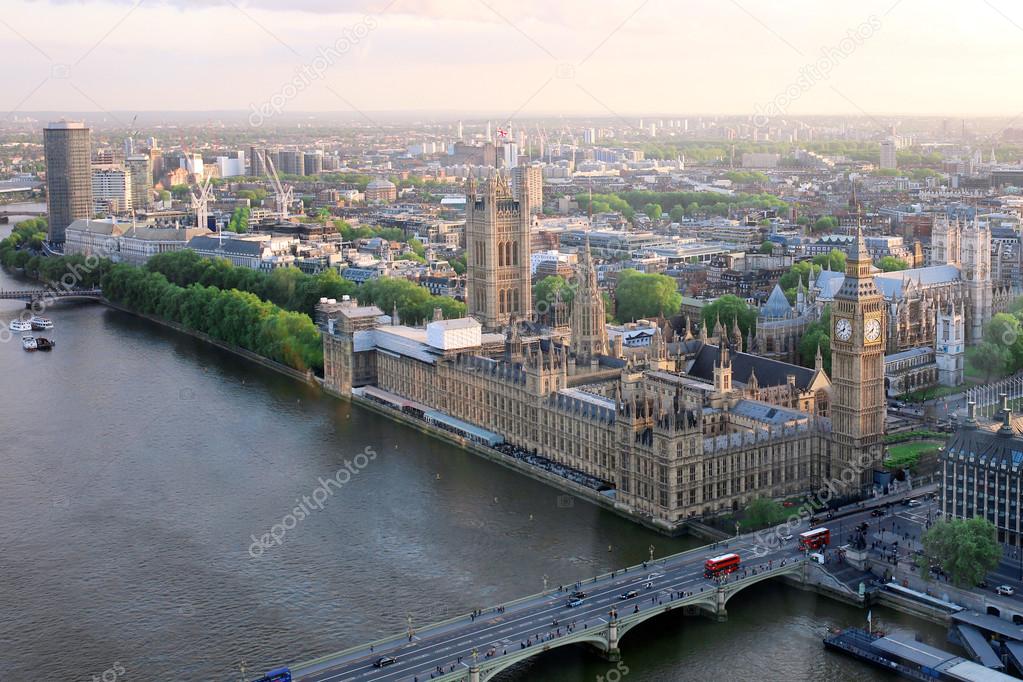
[(20, 326)]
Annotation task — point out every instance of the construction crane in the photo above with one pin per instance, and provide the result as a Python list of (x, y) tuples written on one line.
[(283, 194), (201, 202)]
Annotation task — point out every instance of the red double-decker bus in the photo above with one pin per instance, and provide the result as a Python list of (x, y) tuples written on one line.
[(721, 565), (815, 539)]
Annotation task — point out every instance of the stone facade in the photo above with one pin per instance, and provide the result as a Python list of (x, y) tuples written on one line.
[(498, 284)]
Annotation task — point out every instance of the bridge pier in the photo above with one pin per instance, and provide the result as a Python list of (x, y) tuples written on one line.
[(613, 653), (721, 613)]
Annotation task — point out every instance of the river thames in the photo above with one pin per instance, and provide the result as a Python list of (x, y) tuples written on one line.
[(138, 465)]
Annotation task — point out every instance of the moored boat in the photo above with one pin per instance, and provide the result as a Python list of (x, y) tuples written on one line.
[(44, 343), (20, 326), (29, 343), (40, 323)]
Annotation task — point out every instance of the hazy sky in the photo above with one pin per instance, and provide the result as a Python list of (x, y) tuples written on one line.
[(949, 57)]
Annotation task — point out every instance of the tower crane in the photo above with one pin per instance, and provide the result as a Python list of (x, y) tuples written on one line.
[(283, 194), (201, 201)]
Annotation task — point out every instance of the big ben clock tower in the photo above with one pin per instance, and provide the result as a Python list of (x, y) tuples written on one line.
[(858, 330)]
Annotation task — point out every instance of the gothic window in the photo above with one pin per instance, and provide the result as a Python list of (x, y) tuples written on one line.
[(515, 253), (500, 300), (500, 254)]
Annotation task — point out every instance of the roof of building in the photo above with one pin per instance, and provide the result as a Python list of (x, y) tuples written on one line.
[(777, 305), (101, 226), (991, 448), (907, 354), (891, 284), (241, 247), (905, 647), (769, 372), (766, 412), (456, 323)]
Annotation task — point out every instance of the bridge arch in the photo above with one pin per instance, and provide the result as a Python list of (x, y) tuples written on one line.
[(630, 621), (597, 638)]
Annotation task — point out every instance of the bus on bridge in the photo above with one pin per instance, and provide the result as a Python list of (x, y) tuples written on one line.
[(721, 565), (814, 539)]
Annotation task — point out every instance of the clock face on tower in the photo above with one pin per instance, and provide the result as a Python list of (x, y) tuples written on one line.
[(843, 330), (872, 330)]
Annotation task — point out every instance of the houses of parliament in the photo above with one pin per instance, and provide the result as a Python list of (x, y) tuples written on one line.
[(691, 428)]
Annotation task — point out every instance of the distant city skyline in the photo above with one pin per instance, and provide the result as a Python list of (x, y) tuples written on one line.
[(742, 57)]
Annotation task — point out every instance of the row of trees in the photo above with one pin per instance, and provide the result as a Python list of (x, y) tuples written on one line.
[(294, 290), (677, 204), (235, 317)]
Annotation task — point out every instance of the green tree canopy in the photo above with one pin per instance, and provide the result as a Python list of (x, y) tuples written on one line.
[(989, 358), (892, 264), (640, 296), (545, 292), (763, 512), (653, 211), (966, 549), (834, 261), (825, 224), (767, 247), (817, 335), (727, 309)]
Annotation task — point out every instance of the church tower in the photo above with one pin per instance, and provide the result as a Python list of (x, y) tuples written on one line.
[(976, 272), (497, 254), (858, 329), (945, 241), (588, 319), (949, 344)]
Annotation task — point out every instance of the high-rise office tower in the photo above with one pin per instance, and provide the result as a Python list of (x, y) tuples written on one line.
[(888, 154), (140, 168), (66, 146), (527, 187)]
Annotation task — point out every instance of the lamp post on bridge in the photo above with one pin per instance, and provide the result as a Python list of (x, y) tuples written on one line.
[(651, 554), (737, 524), (545, 583)]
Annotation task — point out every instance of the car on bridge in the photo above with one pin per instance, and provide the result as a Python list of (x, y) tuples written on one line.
[(578, 594), (384, 661), (574, 602), (628, 595), (1005, 590)]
